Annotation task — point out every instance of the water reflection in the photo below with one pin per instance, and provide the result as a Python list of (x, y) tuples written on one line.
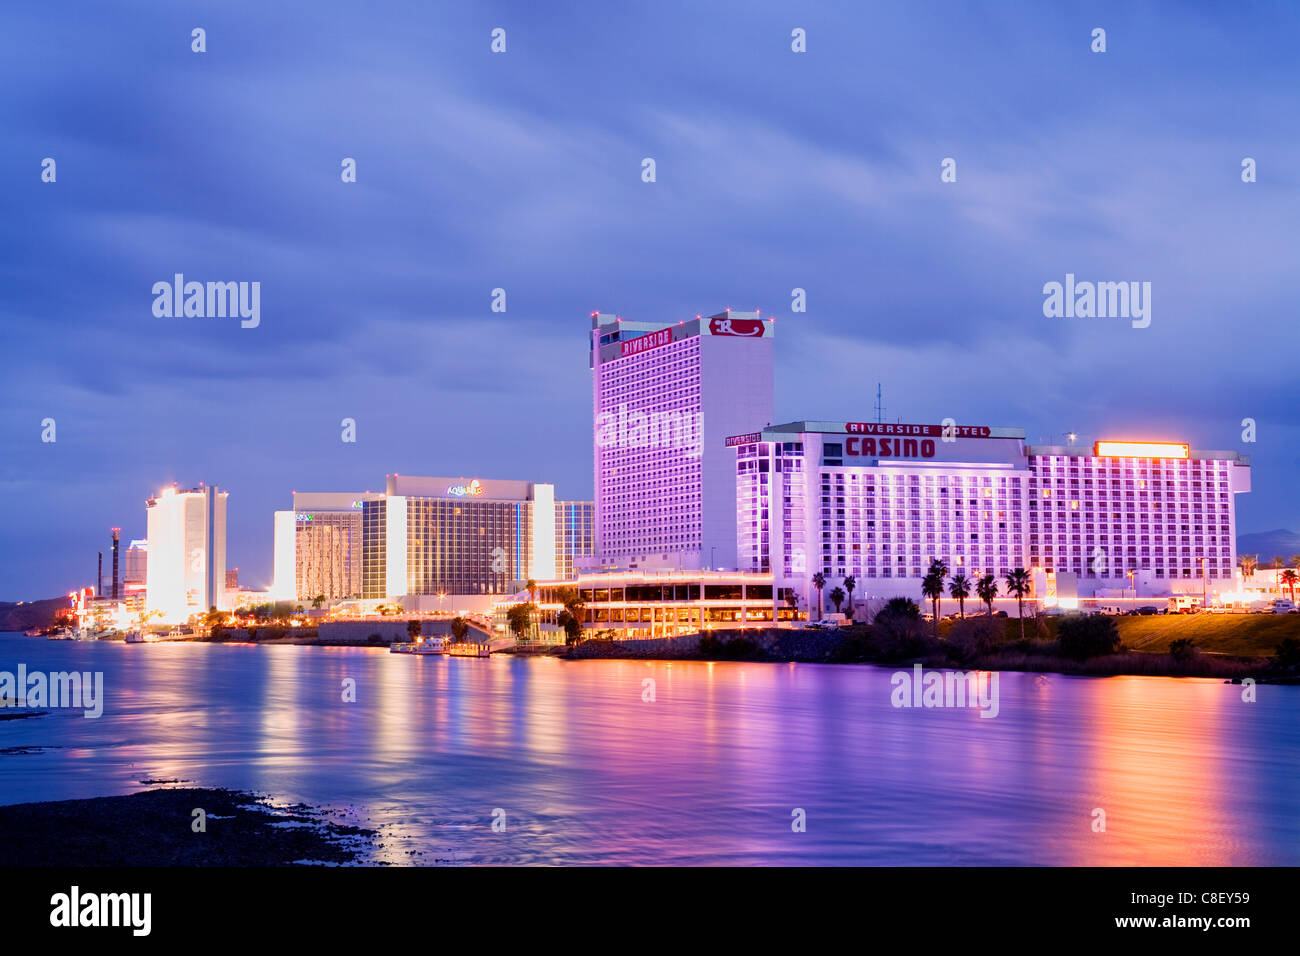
[(588, 771)]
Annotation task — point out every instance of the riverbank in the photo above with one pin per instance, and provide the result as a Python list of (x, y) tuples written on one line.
[(155, 828), (1178, 646)]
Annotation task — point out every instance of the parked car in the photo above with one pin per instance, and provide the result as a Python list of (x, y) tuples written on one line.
[(1283, 606)]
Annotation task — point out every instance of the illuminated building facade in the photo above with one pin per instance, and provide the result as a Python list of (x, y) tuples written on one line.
[(664, 396), (453, 543), (187, 552), (318, 547), (877, 502), (646, 604)]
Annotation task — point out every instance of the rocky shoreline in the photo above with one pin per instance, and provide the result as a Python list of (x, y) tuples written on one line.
[(157, 828)]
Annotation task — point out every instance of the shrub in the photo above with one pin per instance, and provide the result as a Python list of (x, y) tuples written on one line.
[(375, 639), (1084, 636), (898, 630), (1183, 649), (973, 638), (1288, 653)]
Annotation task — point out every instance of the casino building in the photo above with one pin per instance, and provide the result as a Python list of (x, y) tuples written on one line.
[(878, 501), (665, 395), (318, 547), (430, 544)]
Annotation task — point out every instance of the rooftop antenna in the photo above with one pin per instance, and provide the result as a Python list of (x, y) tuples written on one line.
[(880, 408)]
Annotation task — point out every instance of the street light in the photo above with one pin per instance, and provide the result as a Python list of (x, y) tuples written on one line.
[(1133, 581)]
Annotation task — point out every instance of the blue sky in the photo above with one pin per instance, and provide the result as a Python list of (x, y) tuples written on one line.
[(521, 170)]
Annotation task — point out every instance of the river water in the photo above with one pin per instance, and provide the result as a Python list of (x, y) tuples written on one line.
[(713, 771)]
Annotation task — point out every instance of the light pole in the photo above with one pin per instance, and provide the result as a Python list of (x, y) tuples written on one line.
[(1133, 582), (1203, 584)]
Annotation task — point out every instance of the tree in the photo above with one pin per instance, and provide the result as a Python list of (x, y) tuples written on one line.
[(459, 628), (959, 587), (849, 584), (571, 615), (318, 600), (932, 586), (1018, 584), (413, 629), (819, 582), (1289, 579), (1082, 636), (837, 598), (987, 589), (898, 628), (213, 617), (531, 586), (520, 617), (1248, 564)]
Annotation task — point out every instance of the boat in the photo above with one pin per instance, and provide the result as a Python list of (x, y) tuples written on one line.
[(402, 647), (430, 645), (468, 649), (141, 637)]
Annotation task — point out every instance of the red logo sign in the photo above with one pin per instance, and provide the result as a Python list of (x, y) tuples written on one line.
[(731, 326), (890, 447), (643, 343)]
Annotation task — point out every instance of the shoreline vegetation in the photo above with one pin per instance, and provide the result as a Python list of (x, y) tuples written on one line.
[(1263, 647), (156, 828)]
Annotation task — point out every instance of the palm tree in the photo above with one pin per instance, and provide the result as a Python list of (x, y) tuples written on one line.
[(939, 568), (571, 615), (932, 587), (318, 600), (849, 584), (837, 598), (819, 582), (459, 628), (531, 587), (987, 589), (1018, 584), (519, 617), (1289, 578), (1248, 563), (959, 587)]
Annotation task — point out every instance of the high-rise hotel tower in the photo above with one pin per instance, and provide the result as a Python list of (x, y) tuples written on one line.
[(665, 397), (187, 552)]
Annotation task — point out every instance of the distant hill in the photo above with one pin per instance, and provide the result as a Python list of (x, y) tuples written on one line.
[(1269, 544), (19, 617)]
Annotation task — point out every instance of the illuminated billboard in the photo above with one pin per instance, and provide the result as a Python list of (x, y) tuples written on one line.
[(1142, 449)]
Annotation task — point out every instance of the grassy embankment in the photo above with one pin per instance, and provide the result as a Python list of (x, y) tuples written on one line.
[(1225, 646)]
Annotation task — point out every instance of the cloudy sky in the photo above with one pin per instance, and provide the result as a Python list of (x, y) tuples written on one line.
[(775, 170)]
